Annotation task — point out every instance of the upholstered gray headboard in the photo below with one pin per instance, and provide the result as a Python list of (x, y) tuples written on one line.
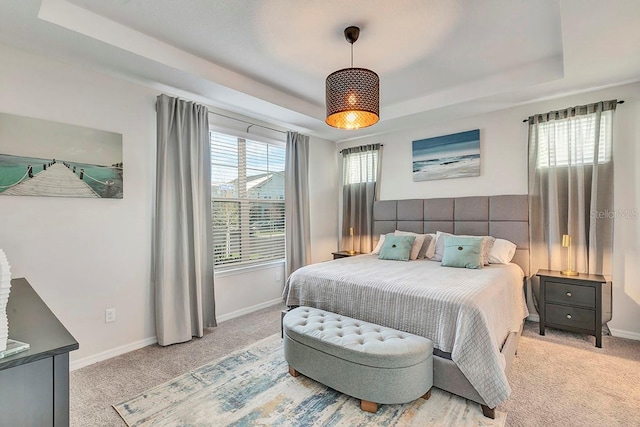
[(504, 217)]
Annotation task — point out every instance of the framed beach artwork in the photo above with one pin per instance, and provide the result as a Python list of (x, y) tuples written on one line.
[(44, 158), (449, 156)]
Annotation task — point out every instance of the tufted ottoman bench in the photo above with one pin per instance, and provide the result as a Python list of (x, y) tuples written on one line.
[(370, 362)]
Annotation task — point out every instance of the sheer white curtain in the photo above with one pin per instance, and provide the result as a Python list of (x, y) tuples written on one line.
[(182, 248), (296, 202), (571, 188), (361, 185)]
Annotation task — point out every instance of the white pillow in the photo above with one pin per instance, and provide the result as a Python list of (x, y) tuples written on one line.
[(502, 252), (417, 243), (376, 250), (437, 256), (487, 245)]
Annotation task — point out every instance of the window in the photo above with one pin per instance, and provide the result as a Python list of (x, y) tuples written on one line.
[(568, 142), (247, 190), (360, 166)]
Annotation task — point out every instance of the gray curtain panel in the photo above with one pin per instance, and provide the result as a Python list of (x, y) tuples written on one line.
[(296, 202), (571, 189), (182, 253), (361, 168)]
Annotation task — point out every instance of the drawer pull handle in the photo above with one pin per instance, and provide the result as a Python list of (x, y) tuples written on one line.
[(568, 316), (569, 294)]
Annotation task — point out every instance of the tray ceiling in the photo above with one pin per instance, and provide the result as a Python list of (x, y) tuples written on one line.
[(269, 58)]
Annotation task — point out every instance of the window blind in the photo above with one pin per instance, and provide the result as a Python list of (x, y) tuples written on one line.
[(571, 141), (247, 189), (360, 167)]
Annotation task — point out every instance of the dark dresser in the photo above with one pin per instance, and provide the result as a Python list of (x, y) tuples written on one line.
[(574, 303), (34, 384)]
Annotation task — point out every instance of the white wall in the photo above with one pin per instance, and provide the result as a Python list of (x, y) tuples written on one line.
[(503, 145), (242, 291), (323, 202), (83, 256)]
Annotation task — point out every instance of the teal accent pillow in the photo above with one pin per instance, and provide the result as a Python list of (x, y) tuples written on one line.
[(396, 248), (462, 252)]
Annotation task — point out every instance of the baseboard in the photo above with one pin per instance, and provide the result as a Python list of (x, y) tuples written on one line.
[(625, 334), (247, 310), (99, 357), (90, 360), (534, 317)]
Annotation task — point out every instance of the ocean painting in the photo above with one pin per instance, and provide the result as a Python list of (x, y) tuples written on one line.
[(44, 158), (449, 156)]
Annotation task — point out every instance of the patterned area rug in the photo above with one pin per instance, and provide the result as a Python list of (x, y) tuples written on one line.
[(252, 387)]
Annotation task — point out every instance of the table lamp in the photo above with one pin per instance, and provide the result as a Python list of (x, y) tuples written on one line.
[(566, 243), (351, 251)]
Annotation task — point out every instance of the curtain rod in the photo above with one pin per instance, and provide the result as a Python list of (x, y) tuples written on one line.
[(345, 149), (249, 123), (527, 119), (240, 120)]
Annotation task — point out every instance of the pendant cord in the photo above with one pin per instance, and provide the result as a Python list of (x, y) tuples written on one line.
[(351, 55)]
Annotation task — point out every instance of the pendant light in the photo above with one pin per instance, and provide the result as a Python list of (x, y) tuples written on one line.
[(353, 94)]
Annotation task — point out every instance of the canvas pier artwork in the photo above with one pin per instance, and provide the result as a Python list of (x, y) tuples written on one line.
[(44, 158)]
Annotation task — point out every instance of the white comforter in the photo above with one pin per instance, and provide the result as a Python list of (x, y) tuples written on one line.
[(467, 313)]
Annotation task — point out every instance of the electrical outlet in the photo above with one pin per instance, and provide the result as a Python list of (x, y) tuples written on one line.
[(110, 315), (278, 276)]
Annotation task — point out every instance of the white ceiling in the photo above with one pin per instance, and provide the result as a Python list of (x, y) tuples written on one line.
[(268, 59)]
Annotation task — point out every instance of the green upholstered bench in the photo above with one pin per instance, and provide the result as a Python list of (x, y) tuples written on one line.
[(375, 364)]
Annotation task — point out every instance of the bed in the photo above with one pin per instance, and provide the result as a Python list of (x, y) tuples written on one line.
[(474, 317)]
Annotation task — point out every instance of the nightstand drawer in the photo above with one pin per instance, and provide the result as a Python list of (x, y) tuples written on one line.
[(584, 296), (570, 316)]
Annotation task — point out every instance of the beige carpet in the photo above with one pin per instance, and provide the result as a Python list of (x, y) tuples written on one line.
[(562, 379), (253, 387), (95, 388), (557, 380)]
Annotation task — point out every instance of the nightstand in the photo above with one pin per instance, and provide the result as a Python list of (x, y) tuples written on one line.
[(344, 254), (574, 303)]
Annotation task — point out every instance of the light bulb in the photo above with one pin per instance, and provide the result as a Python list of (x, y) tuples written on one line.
[(351, 117), (352, 99)]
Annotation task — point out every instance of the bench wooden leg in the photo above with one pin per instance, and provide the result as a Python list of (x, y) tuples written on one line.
[(427, 395), (293, 372), (367, 406), (488, 412)]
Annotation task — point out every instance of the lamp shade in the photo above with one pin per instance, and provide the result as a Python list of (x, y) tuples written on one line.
[(566, 240), (353, 98)]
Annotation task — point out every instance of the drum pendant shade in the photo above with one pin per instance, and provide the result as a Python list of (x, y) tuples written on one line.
[(352, 94)]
